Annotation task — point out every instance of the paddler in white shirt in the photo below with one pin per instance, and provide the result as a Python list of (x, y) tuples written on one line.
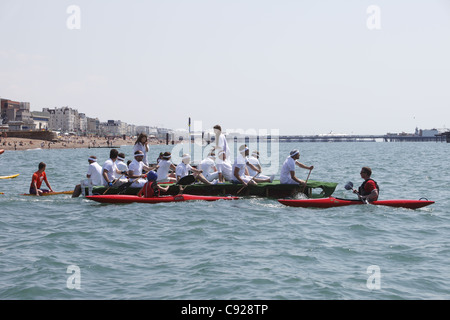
[(239, 168), (208, 167), (120, 162), (163, 168), (254, 160), (224, 167), (110, 174), (183, 168), (93, 178), (136, 170), (287, 174)]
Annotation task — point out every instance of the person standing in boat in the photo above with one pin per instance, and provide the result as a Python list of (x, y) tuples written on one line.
[(369, 189), (287, 174), (110, 171), (221, 142), (142, 145), (37, 179)]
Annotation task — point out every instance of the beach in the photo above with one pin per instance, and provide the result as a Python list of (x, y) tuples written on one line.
[(70, 142)]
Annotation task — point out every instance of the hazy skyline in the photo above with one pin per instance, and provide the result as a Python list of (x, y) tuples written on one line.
[(303, 67)]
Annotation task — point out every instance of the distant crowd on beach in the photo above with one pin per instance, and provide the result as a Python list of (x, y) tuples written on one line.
[(69, 142)]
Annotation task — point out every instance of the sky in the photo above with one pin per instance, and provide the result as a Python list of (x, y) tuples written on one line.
[(301, 67)]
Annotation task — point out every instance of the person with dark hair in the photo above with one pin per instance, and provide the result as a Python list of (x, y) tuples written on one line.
[(120, 162), (110, 172), (369, 189), (137, 169), (287, 174), (141, 144), (164, 166), (221, 144), (240, 170), (36, 181)]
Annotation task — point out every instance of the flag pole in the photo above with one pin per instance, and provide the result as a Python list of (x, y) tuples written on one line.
[(189, 136)]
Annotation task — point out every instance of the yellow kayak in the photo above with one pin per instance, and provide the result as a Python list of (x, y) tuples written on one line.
[(10, 177)]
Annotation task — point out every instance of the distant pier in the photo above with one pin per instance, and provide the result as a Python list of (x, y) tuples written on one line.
[(355, 138), (445, 136)]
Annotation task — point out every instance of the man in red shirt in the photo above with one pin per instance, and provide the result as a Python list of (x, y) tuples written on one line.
[(369, 189), (36, 181)]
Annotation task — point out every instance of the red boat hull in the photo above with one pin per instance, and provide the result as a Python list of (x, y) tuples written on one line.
[(332, 202), (122, 198)]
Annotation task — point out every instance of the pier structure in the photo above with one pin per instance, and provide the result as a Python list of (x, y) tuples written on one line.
[(445, 136), (354, 138)]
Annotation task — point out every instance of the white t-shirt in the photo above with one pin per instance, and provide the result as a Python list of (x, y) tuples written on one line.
[(163, 170), (121, 165), (285, 174), (240, 163), (137, 167), (95, 173), (225, 168), (254, 161), (183, 169), (139, 146), (207, 166), (111, 167), (222, 144)]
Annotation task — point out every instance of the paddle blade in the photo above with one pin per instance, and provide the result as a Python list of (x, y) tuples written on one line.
[(349, 186), (190, 179)]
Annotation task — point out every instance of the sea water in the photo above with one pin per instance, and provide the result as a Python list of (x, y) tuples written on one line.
[(59, 247)]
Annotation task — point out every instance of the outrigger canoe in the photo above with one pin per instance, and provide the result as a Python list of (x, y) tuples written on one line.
[(315, 189), (337, 202), (123, 198), (10, 177)]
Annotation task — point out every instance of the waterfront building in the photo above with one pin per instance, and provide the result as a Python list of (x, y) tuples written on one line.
[(63, 119)]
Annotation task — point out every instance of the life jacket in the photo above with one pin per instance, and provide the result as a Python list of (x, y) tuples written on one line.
[(151, 189), (363, 192)]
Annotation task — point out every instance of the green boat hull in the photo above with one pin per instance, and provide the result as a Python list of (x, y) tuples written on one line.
[(314, 189)]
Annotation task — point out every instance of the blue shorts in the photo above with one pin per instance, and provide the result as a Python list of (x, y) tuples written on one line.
[(33, 190)]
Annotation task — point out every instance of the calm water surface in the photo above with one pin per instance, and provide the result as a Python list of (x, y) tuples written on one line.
[(247, 249)]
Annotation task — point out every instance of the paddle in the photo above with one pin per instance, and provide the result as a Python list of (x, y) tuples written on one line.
[(304, 187), (247, 184), (115, 181), (126, 185), (185, 181), (349, 186)]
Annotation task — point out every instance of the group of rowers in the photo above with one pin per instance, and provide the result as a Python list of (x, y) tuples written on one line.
[(246, 170), (138, 173)]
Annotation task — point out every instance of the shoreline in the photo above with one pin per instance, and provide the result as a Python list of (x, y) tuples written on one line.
[(12, 144)]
